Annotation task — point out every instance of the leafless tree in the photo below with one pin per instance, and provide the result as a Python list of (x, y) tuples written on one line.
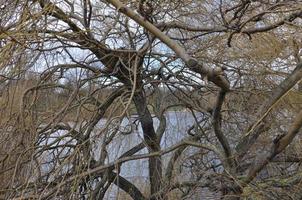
[(89, 86)]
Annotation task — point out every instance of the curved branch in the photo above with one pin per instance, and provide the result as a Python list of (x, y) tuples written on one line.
[(289, 18), (214, 75), (120, 161), (278, 146), (217, 128), (127, 186), (257, 128)]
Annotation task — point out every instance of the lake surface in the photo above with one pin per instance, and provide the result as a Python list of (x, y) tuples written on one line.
[(136, 171)]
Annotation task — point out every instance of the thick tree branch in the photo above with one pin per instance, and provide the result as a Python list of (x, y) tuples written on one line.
[(178, 25), (278, 146), (257, 128), (127, 186), (214, 75), (217, 128)]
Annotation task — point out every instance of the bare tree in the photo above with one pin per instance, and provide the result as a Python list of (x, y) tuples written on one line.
[(88, 87)]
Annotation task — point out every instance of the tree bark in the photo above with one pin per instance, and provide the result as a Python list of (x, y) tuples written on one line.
[(153, 144), (258, 127), (214, 75)]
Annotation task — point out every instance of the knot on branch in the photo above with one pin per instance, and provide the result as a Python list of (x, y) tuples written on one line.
[(192, 63), (218, 77), (294, 16)]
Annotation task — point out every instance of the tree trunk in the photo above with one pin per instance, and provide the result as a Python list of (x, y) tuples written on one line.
[(155, 164)]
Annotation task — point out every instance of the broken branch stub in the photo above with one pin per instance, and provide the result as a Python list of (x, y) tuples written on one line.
[(216, 75)]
